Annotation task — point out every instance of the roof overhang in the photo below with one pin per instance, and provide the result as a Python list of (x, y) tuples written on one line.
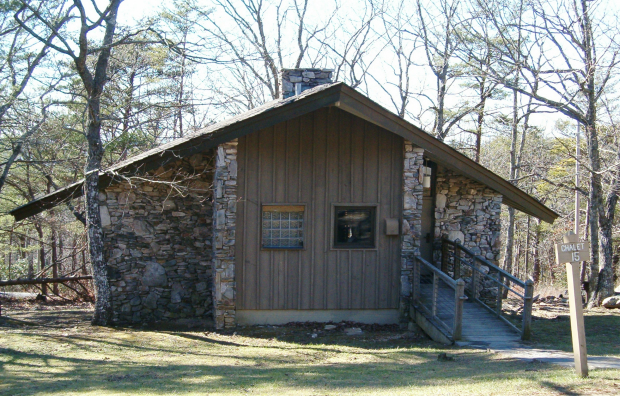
[(337, 94), (355, 103)]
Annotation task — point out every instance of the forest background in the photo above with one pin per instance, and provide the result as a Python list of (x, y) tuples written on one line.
[(509, 83)]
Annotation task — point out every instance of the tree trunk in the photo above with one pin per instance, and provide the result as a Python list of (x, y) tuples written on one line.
[(54, 248), (103, 304), (41, 256), (605, 286), (10, 253), (30, 261), (94, 86), (596, 215), (508, 255), (527, 245), (586, 235), (479, 124), (441, 99), (536, 254)]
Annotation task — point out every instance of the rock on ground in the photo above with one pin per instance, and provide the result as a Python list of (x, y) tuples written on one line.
[(612, 302)]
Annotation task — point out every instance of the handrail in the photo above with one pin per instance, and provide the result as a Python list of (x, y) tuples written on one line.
[(484, 261), (444, 277), (526, 295), (431, 311), (502, 284)]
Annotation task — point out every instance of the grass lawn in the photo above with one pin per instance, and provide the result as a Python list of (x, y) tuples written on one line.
[(551, 329), (59, 353)]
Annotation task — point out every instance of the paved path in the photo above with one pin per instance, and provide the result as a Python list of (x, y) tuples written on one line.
[(481, 329)]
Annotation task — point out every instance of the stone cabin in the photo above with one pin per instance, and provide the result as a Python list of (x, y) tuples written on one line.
[(308, 208)]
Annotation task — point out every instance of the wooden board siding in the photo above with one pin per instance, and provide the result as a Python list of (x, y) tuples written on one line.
[(323, 158)]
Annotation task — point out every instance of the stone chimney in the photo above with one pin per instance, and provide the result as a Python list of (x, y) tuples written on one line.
[(295, 81)]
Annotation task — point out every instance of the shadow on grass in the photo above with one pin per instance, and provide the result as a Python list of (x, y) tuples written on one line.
[(23, 373), (601, 333), (561, 389), (124, 360)]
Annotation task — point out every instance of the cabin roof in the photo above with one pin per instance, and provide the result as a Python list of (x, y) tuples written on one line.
[(335, 94)]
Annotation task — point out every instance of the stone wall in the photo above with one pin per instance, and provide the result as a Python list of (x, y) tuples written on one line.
[(468, 211), (306, 78), (412, 223), (157, 241), (224, 225)]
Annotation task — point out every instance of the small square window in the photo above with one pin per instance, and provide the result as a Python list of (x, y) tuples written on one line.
[(354, 227), (283, 226)]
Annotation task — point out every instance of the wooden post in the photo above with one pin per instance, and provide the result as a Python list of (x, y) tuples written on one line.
[(500, 291), (459, 298), (457, 263), (474, 280), (416, 279), (572, 252), (576, 319), (527, 310), (444, 255), (573, 270), (434, 295)]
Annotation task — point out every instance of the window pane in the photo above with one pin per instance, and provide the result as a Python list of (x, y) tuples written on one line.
[(282, 227), (355, 227)]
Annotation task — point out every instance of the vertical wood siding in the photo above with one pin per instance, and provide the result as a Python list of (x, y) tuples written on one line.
[(323, 158)]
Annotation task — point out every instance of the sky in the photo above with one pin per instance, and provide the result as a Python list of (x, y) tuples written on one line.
[(135, 9)]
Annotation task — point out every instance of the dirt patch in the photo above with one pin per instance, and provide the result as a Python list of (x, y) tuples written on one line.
[(51, 313), (308, 333)]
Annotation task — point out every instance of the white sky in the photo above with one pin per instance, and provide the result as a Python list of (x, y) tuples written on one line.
[(136, 9)]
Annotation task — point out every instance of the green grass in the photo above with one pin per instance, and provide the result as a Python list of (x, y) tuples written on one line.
[(551, 329), (60, 354)]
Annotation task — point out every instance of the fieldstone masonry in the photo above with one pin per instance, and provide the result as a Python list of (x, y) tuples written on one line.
[(157, 243), (306, 78), (468, 211), (170, 242), (224, 224), (412, 223)]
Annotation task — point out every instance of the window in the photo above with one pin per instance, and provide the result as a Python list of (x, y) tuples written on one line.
[(283, 226), (354, 227)]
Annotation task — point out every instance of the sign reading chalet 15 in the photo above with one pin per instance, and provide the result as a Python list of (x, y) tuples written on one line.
[(572, 252)]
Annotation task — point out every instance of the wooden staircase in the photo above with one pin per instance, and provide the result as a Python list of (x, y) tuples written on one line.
[(484, 305)]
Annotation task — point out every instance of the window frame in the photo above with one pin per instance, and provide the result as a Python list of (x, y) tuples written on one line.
[(283, 248), (333, 227)]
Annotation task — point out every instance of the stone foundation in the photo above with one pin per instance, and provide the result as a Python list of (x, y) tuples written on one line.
[(468, 211), (412, 223), (224, 224), (157, 243)]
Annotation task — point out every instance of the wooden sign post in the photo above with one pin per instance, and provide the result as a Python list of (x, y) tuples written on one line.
[(572, 252)]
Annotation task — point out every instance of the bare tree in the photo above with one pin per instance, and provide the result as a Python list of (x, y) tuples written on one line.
[(579, 52), (251, 42), (94, 80), (350, 43), (440, 38), (17, 67), (400, 60)]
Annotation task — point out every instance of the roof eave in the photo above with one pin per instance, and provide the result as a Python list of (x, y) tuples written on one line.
[(298, 107), (355, 103), (339, 95)]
